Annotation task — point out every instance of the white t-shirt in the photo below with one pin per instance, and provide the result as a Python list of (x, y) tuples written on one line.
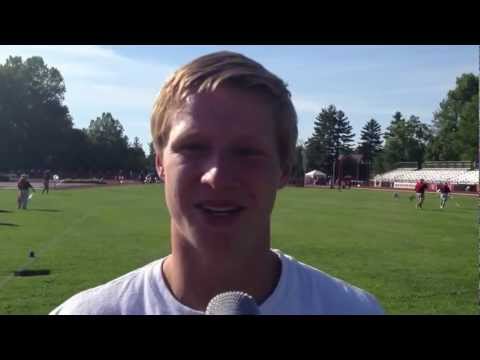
[(301, 290)]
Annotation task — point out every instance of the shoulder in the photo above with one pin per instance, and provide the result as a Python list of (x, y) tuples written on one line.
[(119, 296), (330, 294)]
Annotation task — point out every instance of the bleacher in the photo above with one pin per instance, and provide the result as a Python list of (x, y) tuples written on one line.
[(468, 178), (454, 172), (395, 175)]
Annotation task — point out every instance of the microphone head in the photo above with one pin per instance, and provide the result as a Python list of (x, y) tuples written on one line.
[(232, 303)]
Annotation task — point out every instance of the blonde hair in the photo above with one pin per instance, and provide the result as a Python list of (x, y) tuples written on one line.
[(206, 73)]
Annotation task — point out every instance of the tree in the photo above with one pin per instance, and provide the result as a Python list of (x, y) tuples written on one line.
[(77, 154), (151, 156), (370, 140), (297, 173), (136, 143), (405, 140), (332, 137), (371, 144), (34, 122), (379, 164), (136, 160), (455, 123), (109, 143), (468, 130)]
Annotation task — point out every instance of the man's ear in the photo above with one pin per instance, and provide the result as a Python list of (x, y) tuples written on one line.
[(159, 166)]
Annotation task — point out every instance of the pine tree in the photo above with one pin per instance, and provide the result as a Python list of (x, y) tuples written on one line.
[(332, 137), (370, 140)]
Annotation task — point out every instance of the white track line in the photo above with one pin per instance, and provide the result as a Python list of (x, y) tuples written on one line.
[(45, 247)]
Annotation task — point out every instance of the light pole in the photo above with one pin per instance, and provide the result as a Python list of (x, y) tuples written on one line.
[(332, 183)]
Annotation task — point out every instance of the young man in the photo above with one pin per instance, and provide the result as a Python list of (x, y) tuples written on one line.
[(444, 191), (46, 181), (224, 130), (420, 188), (23, 186)]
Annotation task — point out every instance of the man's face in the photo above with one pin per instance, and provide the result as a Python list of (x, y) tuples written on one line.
[(222, 169)]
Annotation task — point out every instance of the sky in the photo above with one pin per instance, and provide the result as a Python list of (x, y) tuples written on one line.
[(364, 81)]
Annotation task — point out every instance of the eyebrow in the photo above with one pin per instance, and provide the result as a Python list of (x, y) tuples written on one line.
[(192, 134)]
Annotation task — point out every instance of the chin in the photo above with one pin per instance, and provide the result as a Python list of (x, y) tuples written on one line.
[(210, 234)]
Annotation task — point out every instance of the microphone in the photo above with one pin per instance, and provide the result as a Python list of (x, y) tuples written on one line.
[(232, 303)]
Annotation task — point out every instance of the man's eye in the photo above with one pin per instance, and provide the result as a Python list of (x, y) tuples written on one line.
[(248, 152), (193, 147)]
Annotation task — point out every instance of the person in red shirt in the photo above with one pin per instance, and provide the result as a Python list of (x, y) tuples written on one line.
[(420, 188), (444, 191), (23, 191)]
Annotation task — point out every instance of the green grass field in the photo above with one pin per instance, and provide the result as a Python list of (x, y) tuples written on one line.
[(414, 261)]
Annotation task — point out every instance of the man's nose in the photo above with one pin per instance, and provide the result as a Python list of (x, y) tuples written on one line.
[(219, 173)]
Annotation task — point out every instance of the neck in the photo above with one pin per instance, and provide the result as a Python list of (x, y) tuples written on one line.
[(194, 276)]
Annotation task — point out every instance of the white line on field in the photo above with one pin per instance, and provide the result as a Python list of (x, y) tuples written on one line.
[(43, 249)]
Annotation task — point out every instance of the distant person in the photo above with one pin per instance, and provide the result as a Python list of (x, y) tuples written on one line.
[(24, 187), (46, 181), (224, 130), (420, 188), (444, 193)]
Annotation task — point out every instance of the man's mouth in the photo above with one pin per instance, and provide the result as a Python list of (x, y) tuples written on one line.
[(219, 210)]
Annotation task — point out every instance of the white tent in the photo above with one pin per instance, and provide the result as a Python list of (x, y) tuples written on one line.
[(313, 173)]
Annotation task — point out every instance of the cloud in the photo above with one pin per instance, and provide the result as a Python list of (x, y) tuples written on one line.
[(94, 65), (307, 104), (95, 75), (99, 79), (109, 96), (345, 102)]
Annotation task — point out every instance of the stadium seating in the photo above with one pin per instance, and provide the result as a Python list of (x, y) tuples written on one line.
[(467, 178), (431, 175), (394, 175)]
